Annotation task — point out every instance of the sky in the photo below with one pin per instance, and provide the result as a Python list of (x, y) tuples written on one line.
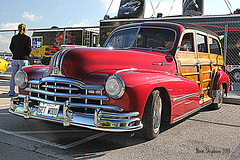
[(81, 13)]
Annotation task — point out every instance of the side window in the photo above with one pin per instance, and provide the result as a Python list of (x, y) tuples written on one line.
[(202, 43), (187, 43), (214, 46)]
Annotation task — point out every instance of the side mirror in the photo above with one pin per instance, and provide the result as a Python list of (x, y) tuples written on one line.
[(169, 58)]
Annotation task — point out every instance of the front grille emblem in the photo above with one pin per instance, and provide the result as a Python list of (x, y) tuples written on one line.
[(55, 70)]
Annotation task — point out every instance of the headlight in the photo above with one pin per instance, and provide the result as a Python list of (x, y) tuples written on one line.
[(115, 86), (21, 79)]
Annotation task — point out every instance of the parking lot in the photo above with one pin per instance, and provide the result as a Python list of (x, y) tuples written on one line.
[(208, 134)]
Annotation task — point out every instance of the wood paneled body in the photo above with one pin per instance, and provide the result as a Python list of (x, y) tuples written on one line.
[(187, 65), (196, 58), (205, 68)]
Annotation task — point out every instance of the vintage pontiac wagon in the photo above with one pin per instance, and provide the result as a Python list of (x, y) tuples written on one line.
[(146, 73)]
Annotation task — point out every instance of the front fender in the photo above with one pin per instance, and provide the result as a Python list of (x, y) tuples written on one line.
[(139, 85), (34, 72)]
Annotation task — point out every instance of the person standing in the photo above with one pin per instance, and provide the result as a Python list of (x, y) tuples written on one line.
[(20, 47)]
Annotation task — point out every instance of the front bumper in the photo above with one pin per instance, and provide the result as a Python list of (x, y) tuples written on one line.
[(100, 120)]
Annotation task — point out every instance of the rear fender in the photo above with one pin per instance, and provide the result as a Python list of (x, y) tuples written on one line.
[(224, 79), (220, 78)]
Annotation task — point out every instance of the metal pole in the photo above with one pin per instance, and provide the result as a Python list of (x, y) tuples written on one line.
[(64, 36), (225, 42), (109, 7), (83, 33)]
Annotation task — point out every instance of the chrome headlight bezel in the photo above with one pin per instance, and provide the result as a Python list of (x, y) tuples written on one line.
[(21, 79), (115, 86)]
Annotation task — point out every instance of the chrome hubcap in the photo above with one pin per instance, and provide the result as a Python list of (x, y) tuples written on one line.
[(221, 95), (157, 114)]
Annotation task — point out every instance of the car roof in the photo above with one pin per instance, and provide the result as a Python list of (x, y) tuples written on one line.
[(196, 27), (174, 25)]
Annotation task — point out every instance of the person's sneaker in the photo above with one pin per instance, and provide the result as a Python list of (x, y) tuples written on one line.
[(10, 94)]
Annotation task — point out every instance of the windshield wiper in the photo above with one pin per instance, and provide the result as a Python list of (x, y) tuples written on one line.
[(149, 49)]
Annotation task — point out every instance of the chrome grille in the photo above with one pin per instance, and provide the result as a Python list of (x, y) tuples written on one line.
[(81, 97), (67, 90)]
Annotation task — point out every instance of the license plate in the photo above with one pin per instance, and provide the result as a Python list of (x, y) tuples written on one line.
[(47, 109)]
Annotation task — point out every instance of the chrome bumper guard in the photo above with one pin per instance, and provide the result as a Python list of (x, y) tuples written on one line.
[(100, 120)]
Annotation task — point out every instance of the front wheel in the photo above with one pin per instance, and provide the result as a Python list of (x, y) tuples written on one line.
[(152, 116)]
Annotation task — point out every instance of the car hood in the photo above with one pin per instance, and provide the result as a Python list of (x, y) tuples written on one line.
[(79, 62)]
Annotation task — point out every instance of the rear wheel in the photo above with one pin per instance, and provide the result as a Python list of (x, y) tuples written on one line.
[(152, 115), (220, 96)]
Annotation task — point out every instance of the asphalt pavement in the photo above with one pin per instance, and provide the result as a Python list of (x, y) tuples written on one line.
[(208, 134)]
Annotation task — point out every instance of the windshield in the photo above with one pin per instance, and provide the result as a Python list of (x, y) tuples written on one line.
[(123, 38), (147, 38)]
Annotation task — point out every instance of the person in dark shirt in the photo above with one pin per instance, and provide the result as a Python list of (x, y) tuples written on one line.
[(20, 46)]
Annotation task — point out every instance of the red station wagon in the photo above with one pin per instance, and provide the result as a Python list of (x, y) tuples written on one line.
[(145, 74)]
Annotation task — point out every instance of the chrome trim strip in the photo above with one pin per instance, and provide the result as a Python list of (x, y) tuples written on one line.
[(104, 107), (132, 114), (68, 95), (58, 58), (59, 87), (161, 63), (36, 82), (70, 81), (125, 70), (61, 61), (185, 97)]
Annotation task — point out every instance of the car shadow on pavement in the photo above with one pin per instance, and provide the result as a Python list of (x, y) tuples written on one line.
[(96, 148), (87, 146)]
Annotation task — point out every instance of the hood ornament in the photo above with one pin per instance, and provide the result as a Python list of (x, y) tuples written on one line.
[(57, 65)]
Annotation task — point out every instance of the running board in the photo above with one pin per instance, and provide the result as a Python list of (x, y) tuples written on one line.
[(191, 112)]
